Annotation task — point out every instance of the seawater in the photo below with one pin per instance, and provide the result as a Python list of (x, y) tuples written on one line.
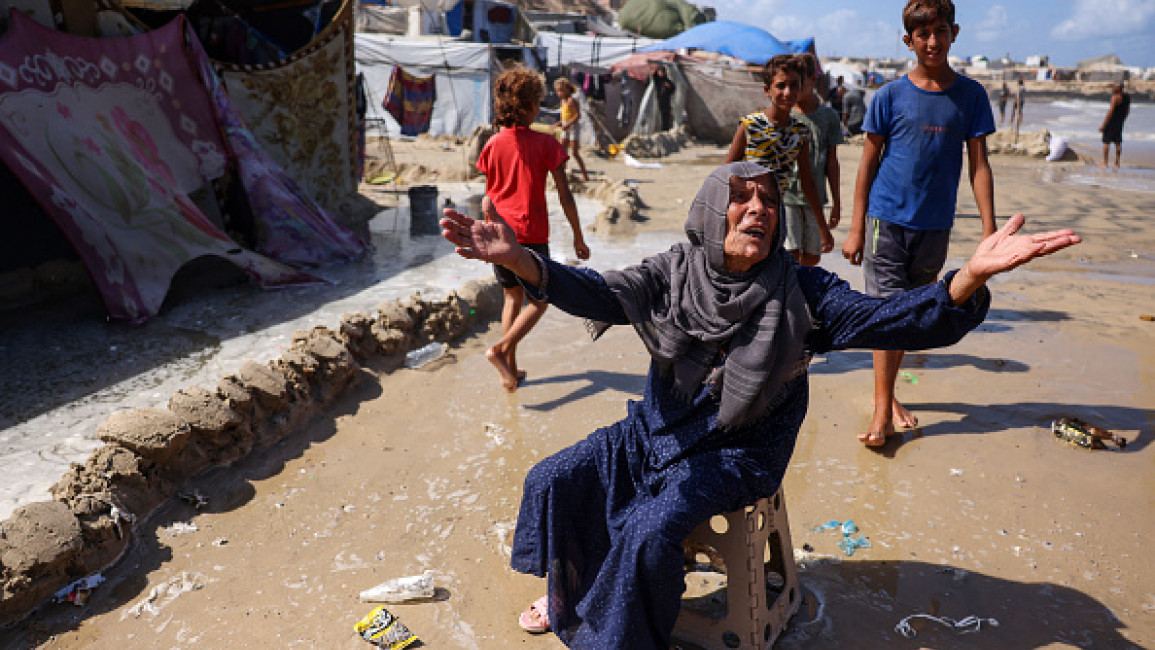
[(1077, 121)]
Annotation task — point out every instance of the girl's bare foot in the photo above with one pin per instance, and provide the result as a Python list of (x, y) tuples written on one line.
[(508, 379)]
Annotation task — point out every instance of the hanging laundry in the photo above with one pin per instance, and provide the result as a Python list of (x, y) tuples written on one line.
[(410, 101), (626, 107)]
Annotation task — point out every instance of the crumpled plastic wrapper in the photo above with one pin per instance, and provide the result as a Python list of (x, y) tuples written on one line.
[(382, 629)]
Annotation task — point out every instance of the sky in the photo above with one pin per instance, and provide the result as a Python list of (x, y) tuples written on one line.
[(1064, 30)]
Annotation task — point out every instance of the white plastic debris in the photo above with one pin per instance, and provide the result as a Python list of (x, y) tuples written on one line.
[(967, 625), (181, 528), (164, 593), (425, 354), (634, 162), (77, 591), (400, 589)]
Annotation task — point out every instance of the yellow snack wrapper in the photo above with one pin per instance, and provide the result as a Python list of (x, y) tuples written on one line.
[(381, 628)]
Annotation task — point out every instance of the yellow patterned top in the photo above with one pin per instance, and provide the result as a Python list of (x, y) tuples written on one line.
[(774, 147), (569, 109)]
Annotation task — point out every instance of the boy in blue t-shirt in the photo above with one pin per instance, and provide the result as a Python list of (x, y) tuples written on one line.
[(904, 198)]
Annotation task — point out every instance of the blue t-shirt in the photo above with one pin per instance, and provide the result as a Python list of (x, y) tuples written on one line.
[(917, 181)]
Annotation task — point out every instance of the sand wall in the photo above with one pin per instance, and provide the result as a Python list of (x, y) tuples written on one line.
[(152, 455)]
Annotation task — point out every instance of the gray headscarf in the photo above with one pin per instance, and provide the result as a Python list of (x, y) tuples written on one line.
[(685, 307)]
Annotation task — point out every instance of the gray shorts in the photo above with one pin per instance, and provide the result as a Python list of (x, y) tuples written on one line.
[(802, 232), (897, 258), (573, 133)]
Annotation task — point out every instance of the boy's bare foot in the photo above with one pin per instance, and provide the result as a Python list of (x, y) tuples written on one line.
[(877, 436), (903, 417), (898, 415), (508, 379)]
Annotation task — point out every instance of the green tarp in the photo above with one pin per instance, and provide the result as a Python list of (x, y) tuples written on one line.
[(660, 18)]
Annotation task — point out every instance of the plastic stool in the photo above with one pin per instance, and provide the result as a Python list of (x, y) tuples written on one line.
[(749, 605)]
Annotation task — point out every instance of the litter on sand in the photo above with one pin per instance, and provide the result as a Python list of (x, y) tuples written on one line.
[(848, 528), (634, 162), (400, 589), (382, 629), (1078, 432), (851, 544), (909, 377), (78, 591), (967, 625)]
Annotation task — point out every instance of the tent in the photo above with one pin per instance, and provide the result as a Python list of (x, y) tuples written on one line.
[(464, 73), (565, 49), (741, 41), (412, 17), (116, 139), (279, 101), (851, 75)]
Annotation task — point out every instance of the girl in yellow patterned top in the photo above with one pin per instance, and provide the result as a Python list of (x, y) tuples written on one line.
[(571, 113), (776, 139)]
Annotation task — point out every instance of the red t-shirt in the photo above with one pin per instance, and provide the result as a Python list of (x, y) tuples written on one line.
[(516, 161)]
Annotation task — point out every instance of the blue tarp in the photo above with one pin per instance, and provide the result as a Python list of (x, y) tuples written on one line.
[(745, 42)]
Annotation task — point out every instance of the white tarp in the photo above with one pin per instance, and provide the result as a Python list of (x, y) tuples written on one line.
[(851, 74), (599, 51), (464, 79), (380, 19)]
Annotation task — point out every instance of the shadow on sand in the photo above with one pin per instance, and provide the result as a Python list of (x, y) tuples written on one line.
[(857, 604)]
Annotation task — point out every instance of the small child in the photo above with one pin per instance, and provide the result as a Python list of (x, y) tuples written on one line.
[(516, 161), (571, 114), (776, 139), (907, 186), (803, 240)]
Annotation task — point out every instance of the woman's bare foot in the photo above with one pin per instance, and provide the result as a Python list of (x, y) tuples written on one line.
[(508, 379)]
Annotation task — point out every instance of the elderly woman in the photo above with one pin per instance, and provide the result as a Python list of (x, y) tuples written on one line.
[(730, 322)]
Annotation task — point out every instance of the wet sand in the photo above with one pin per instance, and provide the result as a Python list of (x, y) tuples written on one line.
[(980, 511)]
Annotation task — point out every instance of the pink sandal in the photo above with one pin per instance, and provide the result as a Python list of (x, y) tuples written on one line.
[(535, 620)]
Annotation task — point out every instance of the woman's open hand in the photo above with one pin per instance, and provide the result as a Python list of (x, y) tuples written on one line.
[(1003, 251), (1006, 249), (489, 241)]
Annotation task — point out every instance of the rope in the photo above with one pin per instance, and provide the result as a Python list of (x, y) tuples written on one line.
[(967, 625)]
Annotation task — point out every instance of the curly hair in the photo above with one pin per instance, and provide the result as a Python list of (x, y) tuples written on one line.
[(781, 63), (919, 13), (515, 95), (561, 83)]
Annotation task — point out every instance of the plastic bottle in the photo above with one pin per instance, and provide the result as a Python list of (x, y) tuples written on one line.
[(425, 354), (400, 589)]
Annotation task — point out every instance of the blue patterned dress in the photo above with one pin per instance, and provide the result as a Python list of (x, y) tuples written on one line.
[(605, 518)]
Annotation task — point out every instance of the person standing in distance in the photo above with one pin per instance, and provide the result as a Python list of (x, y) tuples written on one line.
[(1112, 127)]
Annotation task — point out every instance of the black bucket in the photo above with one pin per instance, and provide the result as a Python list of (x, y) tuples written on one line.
[(423, 215)]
